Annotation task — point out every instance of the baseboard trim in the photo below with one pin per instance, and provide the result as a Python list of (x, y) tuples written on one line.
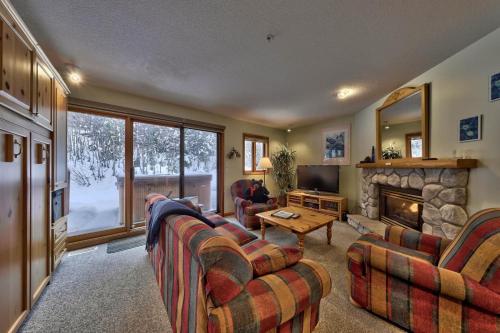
[(104, 239)]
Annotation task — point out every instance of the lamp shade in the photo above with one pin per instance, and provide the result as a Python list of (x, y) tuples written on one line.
[(264, 163)]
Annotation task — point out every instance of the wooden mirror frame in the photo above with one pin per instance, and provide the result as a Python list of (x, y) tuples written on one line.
[(400, 95)]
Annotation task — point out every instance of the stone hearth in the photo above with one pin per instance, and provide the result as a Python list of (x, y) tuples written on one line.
[(444, 192)]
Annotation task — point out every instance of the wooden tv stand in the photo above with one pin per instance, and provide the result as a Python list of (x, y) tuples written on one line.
[(324, 203)]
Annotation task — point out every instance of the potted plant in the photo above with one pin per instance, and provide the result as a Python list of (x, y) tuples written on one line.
[(283, 171), (391, 153)]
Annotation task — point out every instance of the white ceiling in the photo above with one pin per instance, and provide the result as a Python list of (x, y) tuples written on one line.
[(214, 55)]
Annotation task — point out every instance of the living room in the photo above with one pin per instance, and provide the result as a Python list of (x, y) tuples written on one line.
[(250, 166)]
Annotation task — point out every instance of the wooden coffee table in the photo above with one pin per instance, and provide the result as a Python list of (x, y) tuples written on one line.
[(308, 221)]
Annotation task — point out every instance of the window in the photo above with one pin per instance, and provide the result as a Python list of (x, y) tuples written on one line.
[(414, 145), (255, 147)]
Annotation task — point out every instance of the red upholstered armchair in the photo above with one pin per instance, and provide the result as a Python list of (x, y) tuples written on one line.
[(426, 284), (245, 210)]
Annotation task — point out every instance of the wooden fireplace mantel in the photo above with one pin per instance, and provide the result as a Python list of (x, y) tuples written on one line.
[(422, 164)]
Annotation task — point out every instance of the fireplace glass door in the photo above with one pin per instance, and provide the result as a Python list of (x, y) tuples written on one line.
[(401, 207)]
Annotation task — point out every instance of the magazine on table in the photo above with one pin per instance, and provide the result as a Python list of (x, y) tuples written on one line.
[(284, 214)]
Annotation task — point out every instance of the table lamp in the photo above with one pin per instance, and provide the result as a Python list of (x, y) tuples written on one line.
[(264, 164)]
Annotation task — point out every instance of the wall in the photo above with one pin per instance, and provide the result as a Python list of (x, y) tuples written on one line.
[(233, 136), (396, 135), (307, 142), (459, 88)]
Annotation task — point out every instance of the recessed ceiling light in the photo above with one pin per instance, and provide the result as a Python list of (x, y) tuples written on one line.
[(74, 74), (289, 130), (75, 77), (344, 93)]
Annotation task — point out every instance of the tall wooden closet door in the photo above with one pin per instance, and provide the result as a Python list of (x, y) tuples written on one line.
[(40, 215), (13, 234)]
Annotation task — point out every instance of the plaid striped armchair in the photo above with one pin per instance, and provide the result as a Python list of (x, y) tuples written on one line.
[(427, 284), (245, 210)]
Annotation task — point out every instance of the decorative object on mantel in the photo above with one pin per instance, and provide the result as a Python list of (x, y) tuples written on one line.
[(336, 145), (444, 193), (373, 153), (366, 160), (391, 153), (470, 129), (495, 87), (233, 153)]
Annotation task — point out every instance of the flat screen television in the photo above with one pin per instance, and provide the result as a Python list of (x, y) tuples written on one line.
[(321, 178)]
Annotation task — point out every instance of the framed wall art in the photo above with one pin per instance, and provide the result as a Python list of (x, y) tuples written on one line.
[(469, 129), (495, 87), (336, 145)]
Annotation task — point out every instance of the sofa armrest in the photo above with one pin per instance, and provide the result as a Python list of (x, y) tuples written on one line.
[(273, 299), (423, 274), (240, 202), (415, 240)]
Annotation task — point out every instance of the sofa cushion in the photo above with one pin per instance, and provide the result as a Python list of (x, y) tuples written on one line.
[(238, 234), (190, 204), (258, 208), (267, 258), (215, 218), (376, 240), (475, 252)]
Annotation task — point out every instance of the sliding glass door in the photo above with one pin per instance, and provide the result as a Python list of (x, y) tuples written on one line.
[(156, 164), (96, 156), (116, 160), (200, 168)]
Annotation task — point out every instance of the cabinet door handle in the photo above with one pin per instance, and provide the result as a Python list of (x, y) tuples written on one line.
[(20, 146), (42, 153)]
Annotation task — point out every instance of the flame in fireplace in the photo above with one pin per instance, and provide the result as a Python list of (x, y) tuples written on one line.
[(414, 208)]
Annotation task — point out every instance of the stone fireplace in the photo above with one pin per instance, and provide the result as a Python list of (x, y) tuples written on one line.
[(430, 200)]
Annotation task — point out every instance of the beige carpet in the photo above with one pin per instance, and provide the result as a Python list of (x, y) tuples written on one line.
[(93, 291)]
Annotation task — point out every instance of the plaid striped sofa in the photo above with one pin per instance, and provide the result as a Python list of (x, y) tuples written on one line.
[(245, 210), (208, 280), (427, 284)]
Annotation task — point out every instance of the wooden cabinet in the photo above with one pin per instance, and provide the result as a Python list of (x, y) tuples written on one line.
[(326, 204), (16, 59), (22, 73), (40, 214), (13, 221), (59, 234), (32, 130), (42, 108), (60, 173)]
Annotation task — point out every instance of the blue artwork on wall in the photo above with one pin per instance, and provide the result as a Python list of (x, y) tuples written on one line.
[(495, 87), (470, 129)]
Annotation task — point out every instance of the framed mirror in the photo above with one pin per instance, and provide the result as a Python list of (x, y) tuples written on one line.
[(403, 124)]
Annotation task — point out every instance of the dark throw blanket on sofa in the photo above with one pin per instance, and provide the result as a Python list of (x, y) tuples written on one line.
[(160, 210)]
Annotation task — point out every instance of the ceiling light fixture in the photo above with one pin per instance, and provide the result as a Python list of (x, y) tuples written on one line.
[(75, 77), (74, 74), (289, 130), (386, 125), (344, 93)]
